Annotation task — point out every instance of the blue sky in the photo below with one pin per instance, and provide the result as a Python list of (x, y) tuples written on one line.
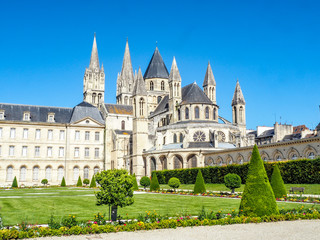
[(272, 47)]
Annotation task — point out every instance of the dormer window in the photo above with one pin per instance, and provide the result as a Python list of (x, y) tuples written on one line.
[(50, 117), (26, 116), (1, 114)]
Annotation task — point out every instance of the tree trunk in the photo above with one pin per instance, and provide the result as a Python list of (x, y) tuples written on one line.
[(114, 210), (232, 190)]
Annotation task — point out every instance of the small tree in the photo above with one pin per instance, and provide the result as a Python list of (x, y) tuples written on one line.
[(115, 189), (154, 186), (257, 198), (44, 182), (232, 181), (79, 183), (93, 182), (145, 182), (14, 183), (277, 183), (174, 183), (199, 186), (135, 183), (86, 181), (63, 182)]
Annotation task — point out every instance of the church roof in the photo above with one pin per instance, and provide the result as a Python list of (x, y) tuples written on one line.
[(156, 67), (238, 96), (119, 109), (140, 88), (192, 93), (163, 106), (84, 110)]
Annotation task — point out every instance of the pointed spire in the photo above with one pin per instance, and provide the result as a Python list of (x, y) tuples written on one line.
[(140, 88), (156, 67), (102, 68), (94, 60), (174, 72), (238, 96), (127, 71), (209, 78)]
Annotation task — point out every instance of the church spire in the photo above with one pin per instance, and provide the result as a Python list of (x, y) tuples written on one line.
[(140, 88), (94, 60), (174, 72), (127, 71), (238, 96), (209, 78)]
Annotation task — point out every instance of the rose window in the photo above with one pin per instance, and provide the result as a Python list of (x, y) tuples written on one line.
[(221, 137), (199, 136)]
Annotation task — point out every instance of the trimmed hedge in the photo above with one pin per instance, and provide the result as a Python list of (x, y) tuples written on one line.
[(303, 171), (199, 186), (277, 183), (154, 186)]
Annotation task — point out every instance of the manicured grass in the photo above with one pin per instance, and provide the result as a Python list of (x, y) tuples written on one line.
[(37, 208), (309, 188)]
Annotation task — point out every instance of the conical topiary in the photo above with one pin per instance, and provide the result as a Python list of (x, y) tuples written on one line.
[(277, 183), (14, 183), (63, 182), (257, 198), (135, 183), (93, 182), (154, 186), (199, 186), (79, 183)]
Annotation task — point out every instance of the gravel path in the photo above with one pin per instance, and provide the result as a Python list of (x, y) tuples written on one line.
[(306, 229)]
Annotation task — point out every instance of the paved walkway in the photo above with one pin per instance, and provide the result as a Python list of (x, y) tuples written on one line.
[(306, 229)]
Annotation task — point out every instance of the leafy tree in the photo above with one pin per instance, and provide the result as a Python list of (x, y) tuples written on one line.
[(93, 182), (79, 183), (232, 181), (145, 182), (277, 183), (199, 186), (63, 182), (14, 183), (257, 198), (135, 183), (86, 181), (154, 186), (115, 188), (174, 183), (44, 182)]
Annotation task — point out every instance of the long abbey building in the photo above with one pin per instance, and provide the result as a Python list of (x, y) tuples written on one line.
[(157, 123)]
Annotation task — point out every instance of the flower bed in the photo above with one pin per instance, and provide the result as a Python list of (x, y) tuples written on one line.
[(151, 220)]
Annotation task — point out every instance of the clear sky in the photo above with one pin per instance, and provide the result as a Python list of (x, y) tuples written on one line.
[(272, 47)]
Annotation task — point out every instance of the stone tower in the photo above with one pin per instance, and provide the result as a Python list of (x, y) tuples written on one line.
[(93, 81), (140, 125), (174, 91), (238, 108), (125, 81), (209, 85)]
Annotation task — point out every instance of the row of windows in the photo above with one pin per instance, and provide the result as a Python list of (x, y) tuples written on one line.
[(197, 113), (25, 134), (27, 116), (48, 173), (151, 86), (61, 152)]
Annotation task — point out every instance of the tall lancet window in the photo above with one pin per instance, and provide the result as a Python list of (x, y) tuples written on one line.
[(214, 114), (207, 112), (187, 113), (241, 114), (235, 114), (151, 86), (196, 112), (162, 85), (94, 98), (141, 106)]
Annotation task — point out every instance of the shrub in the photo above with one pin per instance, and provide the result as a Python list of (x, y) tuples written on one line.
[(79, 183), (63, 182), (277, 183), (174, 183), (257, 198), (135, 183), (14, 183), (53, 223), (69, 221), (1, 223), (44, 181), (199, 186), (93, 182), (154, 186), (232, 181), (86, 181), (145, 182)]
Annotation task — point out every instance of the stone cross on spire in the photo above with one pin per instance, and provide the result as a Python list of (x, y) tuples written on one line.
[(238, 96), (94, 60)]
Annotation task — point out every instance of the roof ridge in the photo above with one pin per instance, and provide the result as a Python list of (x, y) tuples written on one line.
[(17, 104)]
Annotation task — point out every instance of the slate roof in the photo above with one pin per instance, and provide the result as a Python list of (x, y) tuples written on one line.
[(267, 133), (200, 145), (123, 132), (84, 110), (163, 105), (119, 109), (192, 93), (156, 67)]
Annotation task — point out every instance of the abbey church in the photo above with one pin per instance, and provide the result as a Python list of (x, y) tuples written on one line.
[(157, 123)]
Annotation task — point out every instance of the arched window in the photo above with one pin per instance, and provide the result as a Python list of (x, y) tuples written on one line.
[(95, 170), (279, 158), (94, 98), (141, 106), (86, 173), (126, 100), (23, 173), (35, 175), (207, 112), (123, 125), (162, 85), (187, 113), (214, 114), (151, 86), (181, 137), (60, 173), (159, 99), (311, 155), (294, 157), (10, 173), (179, 114), (235, 114), (75, 173), (175, 138), (196, 112), (48, 173), (99, 97), (241, 114)]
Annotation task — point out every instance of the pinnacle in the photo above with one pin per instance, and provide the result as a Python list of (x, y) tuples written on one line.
[(209, 78), (174, 72), (94, 60), (238, 95), (140, 88)]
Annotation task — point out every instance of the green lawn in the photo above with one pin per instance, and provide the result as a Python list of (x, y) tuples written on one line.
[(309, 188), (36, 205)]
